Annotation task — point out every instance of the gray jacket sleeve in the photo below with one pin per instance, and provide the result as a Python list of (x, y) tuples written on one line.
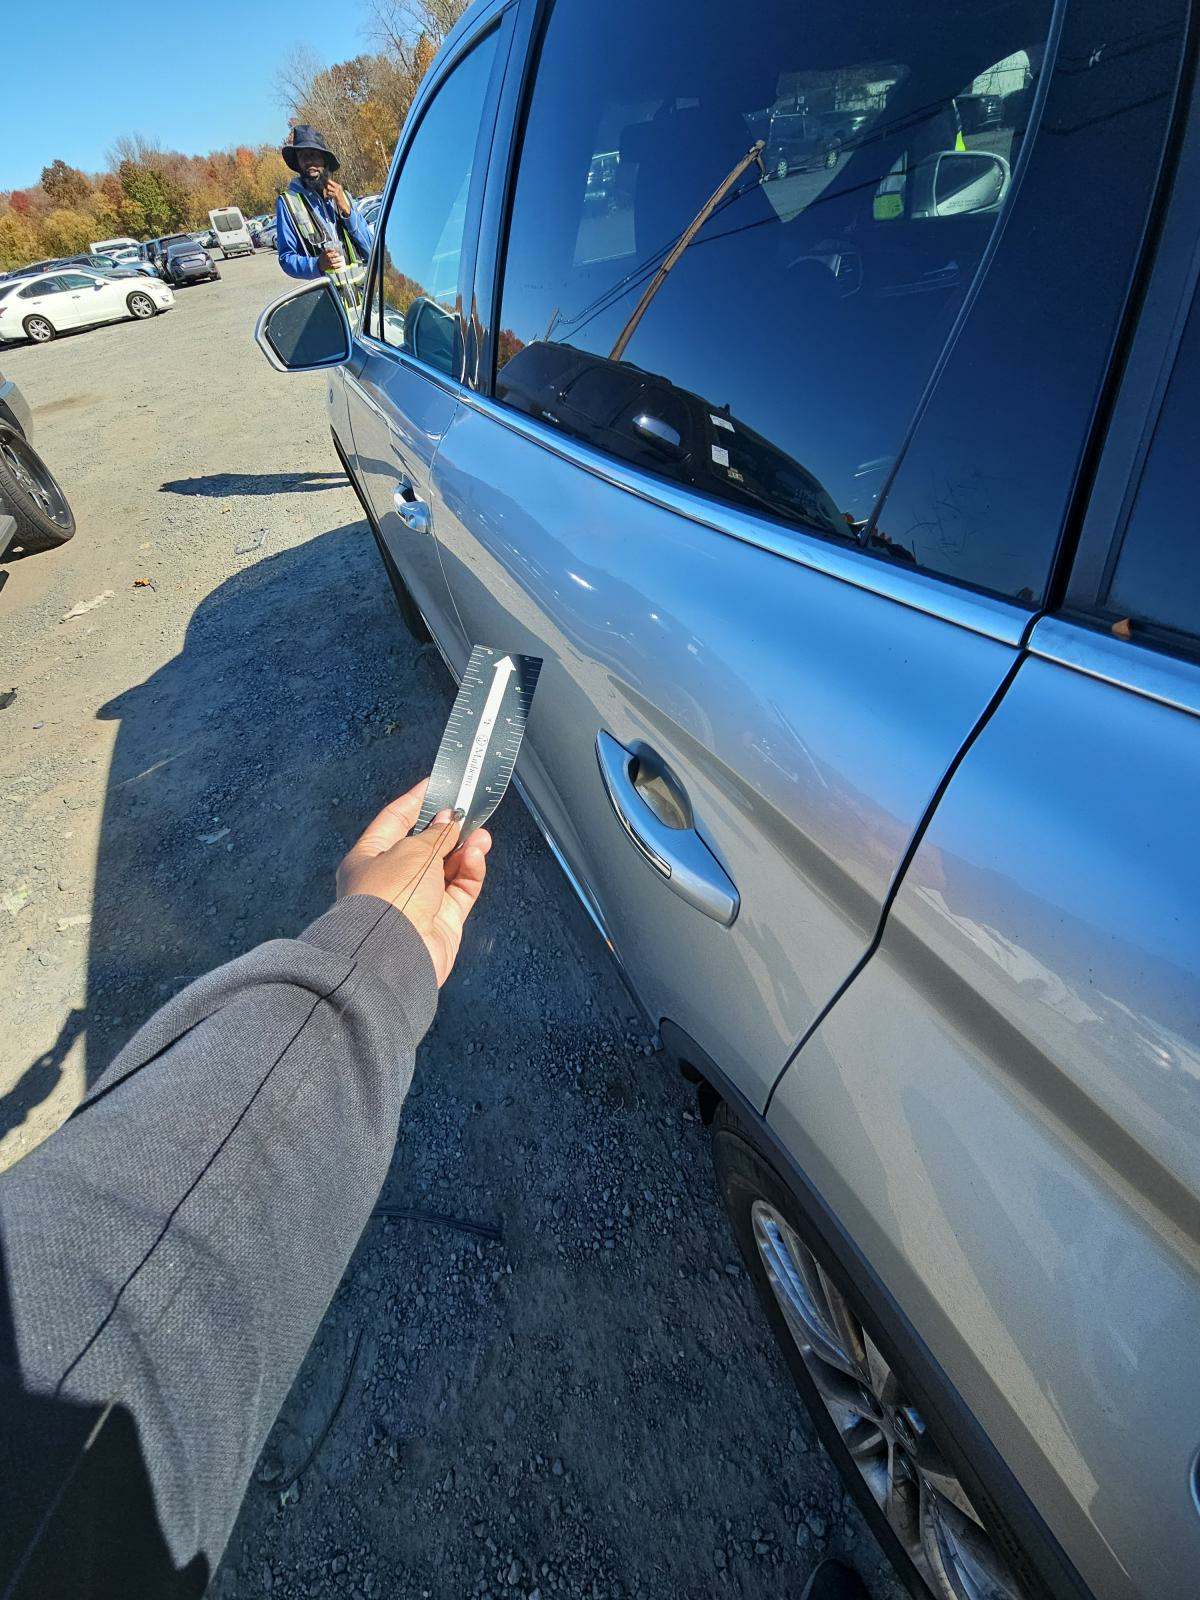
[(168, 1254)]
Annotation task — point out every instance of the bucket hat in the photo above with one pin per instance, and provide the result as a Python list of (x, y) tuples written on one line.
[(305, 137)]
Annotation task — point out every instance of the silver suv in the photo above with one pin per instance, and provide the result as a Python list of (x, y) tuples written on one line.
[(838, 503)]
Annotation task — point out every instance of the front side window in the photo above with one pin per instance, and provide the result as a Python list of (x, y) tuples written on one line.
[(76, 280), (416, 301), (736, 250)]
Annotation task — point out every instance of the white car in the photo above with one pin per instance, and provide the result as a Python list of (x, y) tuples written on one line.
[(38, 308)]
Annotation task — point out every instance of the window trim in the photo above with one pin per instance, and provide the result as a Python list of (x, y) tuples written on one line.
[(498, 20), (1172, 285)]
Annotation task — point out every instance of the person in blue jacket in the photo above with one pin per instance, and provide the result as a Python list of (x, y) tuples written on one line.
[(318, 226)]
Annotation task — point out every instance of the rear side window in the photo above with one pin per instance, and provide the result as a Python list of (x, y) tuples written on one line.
[(737, 247), (1155, 573), (41, 286), (416, 299)]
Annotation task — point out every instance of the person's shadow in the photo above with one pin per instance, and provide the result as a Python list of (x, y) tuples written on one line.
[(222, 485), (244, 767)]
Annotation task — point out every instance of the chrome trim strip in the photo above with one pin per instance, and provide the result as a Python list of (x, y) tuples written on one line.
[(982, 614), (581, 893), (402, 359), (1168, 679)]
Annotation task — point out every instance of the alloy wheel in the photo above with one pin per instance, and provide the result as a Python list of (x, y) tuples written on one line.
[(34, 480), (141, 305), (39, 330), (909, 1479)]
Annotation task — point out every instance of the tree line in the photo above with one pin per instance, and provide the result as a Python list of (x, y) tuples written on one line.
[(147, 191)]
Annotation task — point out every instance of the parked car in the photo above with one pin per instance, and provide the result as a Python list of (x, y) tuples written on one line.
[(184, 261), (125, 251), (34, 512), (369, 207), (38, 309), (851, 523), (264, 235), (95, 263)]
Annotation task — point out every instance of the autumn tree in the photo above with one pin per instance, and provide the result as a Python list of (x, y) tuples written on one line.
[(66, 186)]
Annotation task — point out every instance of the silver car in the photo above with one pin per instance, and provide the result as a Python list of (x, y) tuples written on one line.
[(852, 511)]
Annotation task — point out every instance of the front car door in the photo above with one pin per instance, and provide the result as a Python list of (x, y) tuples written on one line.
[(87, 299), (407, 365), (755, 681)]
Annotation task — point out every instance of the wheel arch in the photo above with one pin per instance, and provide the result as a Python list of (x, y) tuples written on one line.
[(991, 1481)]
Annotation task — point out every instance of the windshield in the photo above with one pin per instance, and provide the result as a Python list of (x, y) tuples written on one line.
[(227, 221)]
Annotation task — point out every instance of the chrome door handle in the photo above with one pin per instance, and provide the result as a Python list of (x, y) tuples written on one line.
[(413, 514), (679, 855)]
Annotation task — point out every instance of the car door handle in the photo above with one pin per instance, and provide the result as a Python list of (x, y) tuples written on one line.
[(673, 848), (413, 514)]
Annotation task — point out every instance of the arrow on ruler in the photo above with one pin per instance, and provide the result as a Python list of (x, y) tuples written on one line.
[(501, 673)]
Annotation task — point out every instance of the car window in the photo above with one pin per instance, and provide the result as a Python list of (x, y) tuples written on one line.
[(41, 286), (415, 304), (77, 280), (735, 253), (1155, 573)]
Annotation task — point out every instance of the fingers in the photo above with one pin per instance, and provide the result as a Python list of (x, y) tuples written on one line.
[(466, 870), (392, 824)]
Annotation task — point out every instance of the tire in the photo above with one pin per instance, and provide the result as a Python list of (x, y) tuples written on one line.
[(29, 491), (943, 1541), (38, 330), (831, 156), (781, 168), (140, 305)]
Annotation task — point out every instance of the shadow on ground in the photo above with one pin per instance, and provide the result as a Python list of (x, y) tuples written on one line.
[(243, 768), (221, 485)]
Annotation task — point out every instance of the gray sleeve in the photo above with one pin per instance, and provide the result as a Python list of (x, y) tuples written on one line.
[(168, 1254)]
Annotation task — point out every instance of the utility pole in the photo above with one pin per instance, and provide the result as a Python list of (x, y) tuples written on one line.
[(689, 233)]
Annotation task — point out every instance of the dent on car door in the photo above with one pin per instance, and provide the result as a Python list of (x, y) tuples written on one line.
[(407, 361), (713, 371), (1004, 1107)]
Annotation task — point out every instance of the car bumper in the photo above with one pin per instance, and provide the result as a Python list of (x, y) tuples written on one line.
[(195, 274), (161, 295)]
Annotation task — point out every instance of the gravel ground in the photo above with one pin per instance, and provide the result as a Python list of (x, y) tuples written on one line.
[(589, 1406)]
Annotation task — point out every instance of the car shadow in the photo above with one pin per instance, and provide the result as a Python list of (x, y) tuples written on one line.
[(218, 485), (244, 767)]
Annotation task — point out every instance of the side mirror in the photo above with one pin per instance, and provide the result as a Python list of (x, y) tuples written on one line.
[(956, 183), (305, 329)]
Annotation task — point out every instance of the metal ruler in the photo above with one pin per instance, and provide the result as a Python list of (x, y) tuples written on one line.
[(478, 752)]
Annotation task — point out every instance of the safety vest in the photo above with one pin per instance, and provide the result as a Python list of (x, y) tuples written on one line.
[(314, 234)]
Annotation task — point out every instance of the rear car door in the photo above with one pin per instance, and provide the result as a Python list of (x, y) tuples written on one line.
[(46, 297), (1004, 1108), (748, 479), (407, 365)]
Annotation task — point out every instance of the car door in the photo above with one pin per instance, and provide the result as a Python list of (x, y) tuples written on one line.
[(46, 297), (83, 302), (1004, 1108), (406, 368), (755, 678)]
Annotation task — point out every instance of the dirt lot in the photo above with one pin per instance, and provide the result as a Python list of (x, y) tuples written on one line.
[(591, 1406)]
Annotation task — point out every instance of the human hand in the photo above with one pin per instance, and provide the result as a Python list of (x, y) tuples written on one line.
[(433, 878), (338, 195), (330, 256)]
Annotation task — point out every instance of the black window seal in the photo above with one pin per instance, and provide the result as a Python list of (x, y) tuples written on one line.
[(1165, 284)]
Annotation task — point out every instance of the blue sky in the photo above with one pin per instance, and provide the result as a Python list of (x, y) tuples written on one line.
[(191, 75)]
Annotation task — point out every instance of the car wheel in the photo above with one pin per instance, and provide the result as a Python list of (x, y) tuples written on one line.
[(38, 329), (141, 306), (891, 1435), (30, 492), (781, 167), (831, 155)]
